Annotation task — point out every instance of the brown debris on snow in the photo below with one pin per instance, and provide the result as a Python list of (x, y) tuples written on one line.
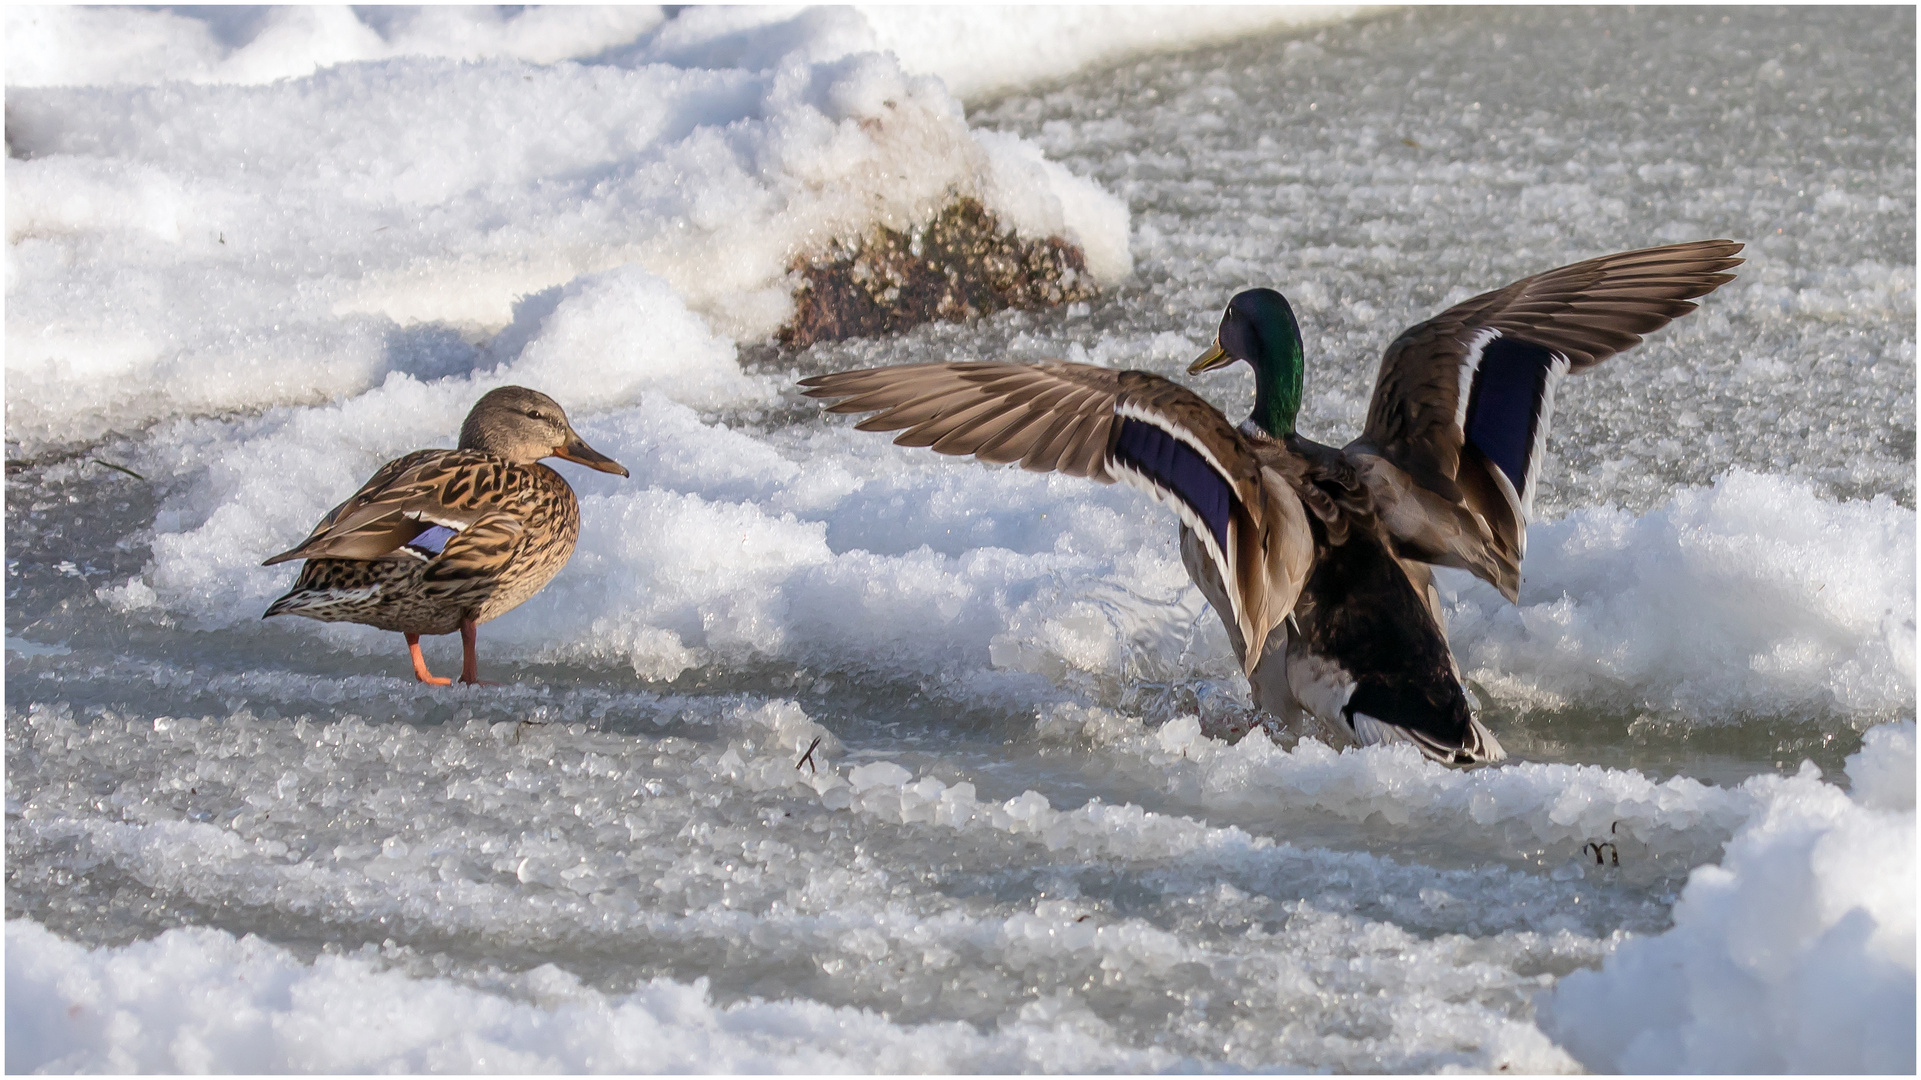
[(960, 265)]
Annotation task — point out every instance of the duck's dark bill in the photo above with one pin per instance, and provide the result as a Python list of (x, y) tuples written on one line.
[(580, 453)]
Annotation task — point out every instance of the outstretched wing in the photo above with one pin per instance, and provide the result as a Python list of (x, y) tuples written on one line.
[(1463, 400), (1105, 425), (420, 501)]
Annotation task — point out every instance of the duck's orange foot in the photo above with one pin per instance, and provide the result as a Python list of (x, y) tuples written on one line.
[(421, 673)]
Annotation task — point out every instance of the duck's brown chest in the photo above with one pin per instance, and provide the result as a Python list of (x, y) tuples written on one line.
[(543, 504)]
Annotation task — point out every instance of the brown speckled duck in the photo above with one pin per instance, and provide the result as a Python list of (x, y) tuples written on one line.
[(1316, 557), (444, 540)]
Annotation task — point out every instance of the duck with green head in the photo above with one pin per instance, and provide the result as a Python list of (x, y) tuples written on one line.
[(1317, 558)]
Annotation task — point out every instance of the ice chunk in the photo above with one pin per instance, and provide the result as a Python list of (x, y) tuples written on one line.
[(1883, 769), (878, 774)]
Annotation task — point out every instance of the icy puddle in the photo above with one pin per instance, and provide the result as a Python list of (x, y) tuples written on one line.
[(1023, 839)]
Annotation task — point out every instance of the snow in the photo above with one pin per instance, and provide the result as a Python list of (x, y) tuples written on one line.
[(975, 50), (1749, 596), (181, 250), (95, 46), (255, 253), (1807, 866), (198, 1000), (1794, 954)]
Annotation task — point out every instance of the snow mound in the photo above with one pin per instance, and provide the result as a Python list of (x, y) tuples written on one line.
[(1752, 596), (180, 250), (1795, 954), (981, 50), (200, 1000), (975, 50), (232, 209), (97, 46)]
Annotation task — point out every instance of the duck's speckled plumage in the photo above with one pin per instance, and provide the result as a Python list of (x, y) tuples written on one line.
[(444, 540), (1316, 557), (517, 528)]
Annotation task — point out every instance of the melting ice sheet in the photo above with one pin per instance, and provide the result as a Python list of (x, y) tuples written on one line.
[(1019, 842)]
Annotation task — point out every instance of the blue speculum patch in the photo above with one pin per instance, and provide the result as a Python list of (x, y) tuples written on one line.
[(1179, 468), (432, 540), (1504, 408)]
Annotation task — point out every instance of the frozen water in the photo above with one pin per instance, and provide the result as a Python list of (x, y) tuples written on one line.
[(1023, 841)]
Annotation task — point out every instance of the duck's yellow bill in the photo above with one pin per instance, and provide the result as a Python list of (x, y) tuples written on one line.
[(1211, 359)]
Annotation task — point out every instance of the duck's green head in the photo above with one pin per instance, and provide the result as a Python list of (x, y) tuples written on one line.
[(1259, 328)]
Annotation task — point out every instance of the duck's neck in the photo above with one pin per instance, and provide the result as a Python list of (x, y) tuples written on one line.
[(1277, 386)]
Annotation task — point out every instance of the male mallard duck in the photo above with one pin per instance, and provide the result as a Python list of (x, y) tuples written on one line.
[(444, 540), (1319, 556)]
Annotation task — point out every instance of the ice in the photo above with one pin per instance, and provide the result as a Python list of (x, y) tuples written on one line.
[(827, 754), (405, 825), (1794, 954), (678, 846)]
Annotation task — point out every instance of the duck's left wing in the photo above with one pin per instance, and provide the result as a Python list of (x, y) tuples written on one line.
[(1463, 400), (1105, 425), (418, 501), (481, 550)]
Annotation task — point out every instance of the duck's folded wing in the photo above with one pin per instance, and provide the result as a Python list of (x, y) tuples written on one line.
[(1105, 425), (1463, 400), (418, 501), (481, 550)]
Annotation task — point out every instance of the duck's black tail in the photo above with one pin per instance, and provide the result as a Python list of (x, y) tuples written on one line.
[(1368, 653)]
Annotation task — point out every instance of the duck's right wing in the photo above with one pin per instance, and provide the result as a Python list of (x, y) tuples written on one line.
[(1106, 425)]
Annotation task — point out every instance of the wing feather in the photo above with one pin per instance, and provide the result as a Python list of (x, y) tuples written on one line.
[(480, 550), (1106, 425), (1052, 447), (1015, 441), (1481, 375), (404, 498)]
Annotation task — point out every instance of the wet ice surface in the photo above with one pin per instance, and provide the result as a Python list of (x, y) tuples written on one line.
[(1021, 847)]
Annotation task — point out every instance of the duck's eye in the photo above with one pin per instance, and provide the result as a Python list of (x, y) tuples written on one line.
[(535, 414)]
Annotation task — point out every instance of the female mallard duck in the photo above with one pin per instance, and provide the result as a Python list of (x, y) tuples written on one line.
[(1315, 555), (444, 540)]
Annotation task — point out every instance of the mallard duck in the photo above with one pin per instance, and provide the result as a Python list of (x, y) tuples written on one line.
[(444, 540), (1316, 558)]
